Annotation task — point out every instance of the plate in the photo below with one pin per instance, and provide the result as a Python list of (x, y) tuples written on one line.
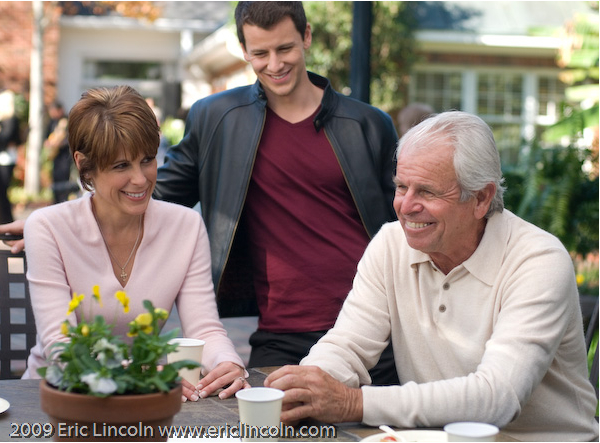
[(4, 405), (416, 435)]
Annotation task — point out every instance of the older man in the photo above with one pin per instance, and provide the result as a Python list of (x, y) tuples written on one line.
[(482, 307)]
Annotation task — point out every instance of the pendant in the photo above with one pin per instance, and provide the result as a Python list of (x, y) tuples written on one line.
[(123, 275)]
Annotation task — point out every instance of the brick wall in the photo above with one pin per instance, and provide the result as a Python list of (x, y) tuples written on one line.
[(16, 26)]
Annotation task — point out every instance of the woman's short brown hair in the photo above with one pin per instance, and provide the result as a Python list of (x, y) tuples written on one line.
[(106, 120)]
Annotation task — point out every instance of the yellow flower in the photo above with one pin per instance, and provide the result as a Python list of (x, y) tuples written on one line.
[(96, 294), (74, 303), (161, 313), (64, 328), (144, 322), (123, 299), (85, 330), (580, 279)]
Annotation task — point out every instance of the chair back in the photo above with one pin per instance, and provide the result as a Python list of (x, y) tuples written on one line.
[(589, 310), (594, 371), (17, 324)]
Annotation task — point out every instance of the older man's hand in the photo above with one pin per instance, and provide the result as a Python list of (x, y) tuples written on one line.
[(311, 392)]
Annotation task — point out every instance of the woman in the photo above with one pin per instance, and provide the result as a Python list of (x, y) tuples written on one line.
[(119, 238)]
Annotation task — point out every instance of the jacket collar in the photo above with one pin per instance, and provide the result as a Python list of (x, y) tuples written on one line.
[(328, 103)]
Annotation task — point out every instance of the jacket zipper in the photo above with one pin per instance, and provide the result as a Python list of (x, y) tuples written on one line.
[(347, 182), (239, 215)]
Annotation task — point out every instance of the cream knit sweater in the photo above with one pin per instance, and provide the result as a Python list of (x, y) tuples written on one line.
[(498, 340)]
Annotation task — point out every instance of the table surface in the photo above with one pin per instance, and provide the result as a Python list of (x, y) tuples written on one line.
[(23, 396)]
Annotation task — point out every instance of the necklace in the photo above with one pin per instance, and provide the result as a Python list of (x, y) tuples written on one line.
[(123, 273)]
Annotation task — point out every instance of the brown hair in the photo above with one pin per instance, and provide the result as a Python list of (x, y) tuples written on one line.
[(412, 115), (106, 120), (265, 15)]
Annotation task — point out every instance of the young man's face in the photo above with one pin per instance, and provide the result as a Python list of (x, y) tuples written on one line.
[(277, 56)]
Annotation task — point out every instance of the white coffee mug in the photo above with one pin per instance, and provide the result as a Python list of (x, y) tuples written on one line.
[(187, 349), (260, 413), (471, 431)]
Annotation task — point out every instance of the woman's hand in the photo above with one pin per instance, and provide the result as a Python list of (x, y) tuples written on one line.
[(15, 227), (188, 391), (225, 375)]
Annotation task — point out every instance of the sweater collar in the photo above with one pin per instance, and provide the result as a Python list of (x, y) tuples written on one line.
[(487, 259), (485, 262)]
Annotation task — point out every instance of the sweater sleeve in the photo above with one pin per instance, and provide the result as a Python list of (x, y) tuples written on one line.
[(196, 304), (48, 285)]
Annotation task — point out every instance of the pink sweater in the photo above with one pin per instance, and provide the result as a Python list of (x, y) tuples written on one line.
[(66, 254)]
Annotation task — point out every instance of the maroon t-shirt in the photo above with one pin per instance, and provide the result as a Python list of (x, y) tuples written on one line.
[(306, 236)]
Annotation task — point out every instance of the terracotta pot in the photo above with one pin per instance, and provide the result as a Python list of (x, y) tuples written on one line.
[(120, 417)]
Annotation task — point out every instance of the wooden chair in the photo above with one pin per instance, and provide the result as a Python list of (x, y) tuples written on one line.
[(17, 324)]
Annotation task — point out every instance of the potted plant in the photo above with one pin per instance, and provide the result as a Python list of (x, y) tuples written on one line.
[(97, 386)]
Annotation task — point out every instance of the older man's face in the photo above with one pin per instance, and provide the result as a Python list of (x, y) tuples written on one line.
[(428, 207)]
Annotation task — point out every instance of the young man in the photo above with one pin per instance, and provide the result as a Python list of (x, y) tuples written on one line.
[(293, 179), (482, 308)]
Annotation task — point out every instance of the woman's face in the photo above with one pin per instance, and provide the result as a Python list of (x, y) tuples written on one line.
[(126, 186)]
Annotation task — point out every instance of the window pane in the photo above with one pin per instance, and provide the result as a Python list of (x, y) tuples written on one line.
[(551, 91), (107, 70), (442, 91), (499, 94)]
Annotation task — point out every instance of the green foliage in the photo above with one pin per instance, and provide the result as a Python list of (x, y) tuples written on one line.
[(550, 188), (582, 57), (579, 58), (574, 122), (552, 191), (93, 361), (392, 47), (173, 129)]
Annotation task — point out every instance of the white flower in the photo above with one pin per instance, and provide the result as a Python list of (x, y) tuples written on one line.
[(108, 354), (100, 385), (104, 345), (54, 375)]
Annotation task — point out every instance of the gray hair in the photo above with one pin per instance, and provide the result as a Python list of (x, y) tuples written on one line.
[(476, 158)]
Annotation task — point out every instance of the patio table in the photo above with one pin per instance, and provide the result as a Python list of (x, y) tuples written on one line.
[(23, 396)]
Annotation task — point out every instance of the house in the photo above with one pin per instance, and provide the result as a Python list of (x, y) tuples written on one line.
[(103, 50), (88, 44), (494, 59)]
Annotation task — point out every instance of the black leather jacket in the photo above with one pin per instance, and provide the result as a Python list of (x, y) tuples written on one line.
[(213, 163)]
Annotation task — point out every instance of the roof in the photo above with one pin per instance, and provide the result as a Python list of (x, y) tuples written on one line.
[(496, 17), (198, 10), (199, 16)]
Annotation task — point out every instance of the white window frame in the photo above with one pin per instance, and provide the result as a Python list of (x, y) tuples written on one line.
[(529, 117)]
